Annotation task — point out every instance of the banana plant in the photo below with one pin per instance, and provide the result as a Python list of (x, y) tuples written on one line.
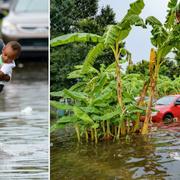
[(91, 103), (95, 112), (165, 37), (112, 39)]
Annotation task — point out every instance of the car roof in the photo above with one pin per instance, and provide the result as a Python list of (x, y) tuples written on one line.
[(176, 95)]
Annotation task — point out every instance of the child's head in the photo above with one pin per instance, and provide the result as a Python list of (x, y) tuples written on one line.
[(11, 51)]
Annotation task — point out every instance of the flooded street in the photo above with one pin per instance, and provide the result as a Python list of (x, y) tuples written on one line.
[(24, 124), (153, 157)]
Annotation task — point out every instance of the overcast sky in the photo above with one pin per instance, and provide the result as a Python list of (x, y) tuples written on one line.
[(138, 41)]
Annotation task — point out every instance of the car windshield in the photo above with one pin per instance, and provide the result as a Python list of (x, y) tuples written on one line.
[(165, 100), (31, 6)]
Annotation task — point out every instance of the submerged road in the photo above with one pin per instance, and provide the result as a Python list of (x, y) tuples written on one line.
[(24, 124)]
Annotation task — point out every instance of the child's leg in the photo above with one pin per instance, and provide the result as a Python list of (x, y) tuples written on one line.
[(1, 87)]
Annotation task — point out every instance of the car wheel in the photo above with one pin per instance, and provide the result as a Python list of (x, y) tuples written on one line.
[(168, 118)]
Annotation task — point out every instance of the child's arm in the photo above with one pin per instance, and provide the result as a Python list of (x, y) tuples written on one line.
[(5, 72), (4, 77)]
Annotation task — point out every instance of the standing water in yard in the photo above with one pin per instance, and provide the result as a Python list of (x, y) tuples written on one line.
[(154, 157), (24, 124)]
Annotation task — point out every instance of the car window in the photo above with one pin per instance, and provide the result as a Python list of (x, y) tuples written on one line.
[(178, 100), (165, 100), (31, 6)]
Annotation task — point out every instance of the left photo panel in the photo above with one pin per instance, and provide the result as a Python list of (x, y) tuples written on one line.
[(24, 31)]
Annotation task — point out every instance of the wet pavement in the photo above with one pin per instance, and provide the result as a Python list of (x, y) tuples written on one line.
[(24, 124)]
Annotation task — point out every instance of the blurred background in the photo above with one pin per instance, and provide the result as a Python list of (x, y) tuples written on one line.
[(24, 101)]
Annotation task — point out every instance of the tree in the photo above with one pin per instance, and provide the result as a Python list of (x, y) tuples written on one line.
[(168, 68), (66, 17), (61, 16)]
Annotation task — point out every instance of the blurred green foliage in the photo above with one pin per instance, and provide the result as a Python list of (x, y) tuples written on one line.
[(169, 68), (75, 16)]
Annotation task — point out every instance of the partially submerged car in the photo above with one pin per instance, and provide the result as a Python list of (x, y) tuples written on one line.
[(168, 108), (27, 23)]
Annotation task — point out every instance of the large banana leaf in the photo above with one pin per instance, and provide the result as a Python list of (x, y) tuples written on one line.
[(132, 19), (104, 96), (62, 122), (117, 33), (91, 57), (57, 94), (58, 105), (159, 33), (110, 35), (135, 8), (170, 18), (153, 21), (79, 113), (91, 109), (75, 37), (108, 115), (79, 96), (78, 86)]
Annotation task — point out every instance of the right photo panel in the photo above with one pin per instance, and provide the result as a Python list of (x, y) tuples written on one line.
[(114, 89)]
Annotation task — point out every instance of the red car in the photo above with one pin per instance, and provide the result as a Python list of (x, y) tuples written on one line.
[(168, 107)]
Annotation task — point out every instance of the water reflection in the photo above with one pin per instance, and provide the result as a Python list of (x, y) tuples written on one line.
[(136, 158), (24, 137)]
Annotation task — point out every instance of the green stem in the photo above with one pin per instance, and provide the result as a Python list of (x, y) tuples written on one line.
[(77, 132), (95, 135), (115, 131), (119, 131), (103, 127), (108, 129), (92, 135), (86, 133)]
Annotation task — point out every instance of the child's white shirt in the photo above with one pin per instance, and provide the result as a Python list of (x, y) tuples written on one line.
[(7, 69)]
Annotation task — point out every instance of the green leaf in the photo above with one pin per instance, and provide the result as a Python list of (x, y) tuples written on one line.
[(58, 105), (67, 119), (132, 20), (172, 3), (77, 86), (82, 115), (57, 94), (56, 126), (91, 109), (95, 126), (79, 96), (91, 57), (135, 8), (110, 115), (62, 122), (75, 74), (105, 94), (75, 37), (110, 35), (153, 21)]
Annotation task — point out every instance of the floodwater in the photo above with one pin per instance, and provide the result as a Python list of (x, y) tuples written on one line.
[(24, 124), (156, 157)]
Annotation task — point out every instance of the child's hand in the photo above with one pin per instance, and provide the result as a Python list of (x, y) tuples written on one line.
[(4, 77)]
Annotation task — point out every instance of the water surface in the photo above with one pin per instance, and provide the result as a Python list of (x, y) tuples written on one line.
[(154, 157), (24, 133)]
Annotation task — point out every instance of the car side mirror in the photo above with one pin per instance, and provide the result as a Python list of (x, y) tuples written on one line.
[(177, 103)]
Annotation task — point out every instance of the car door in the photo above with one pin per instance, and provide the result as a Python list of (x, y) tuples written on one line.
[(176, 108)]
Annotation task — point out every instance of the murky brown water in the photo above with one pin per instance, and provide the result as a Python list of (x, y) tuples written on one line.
[(153, 157), (24, 133)]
